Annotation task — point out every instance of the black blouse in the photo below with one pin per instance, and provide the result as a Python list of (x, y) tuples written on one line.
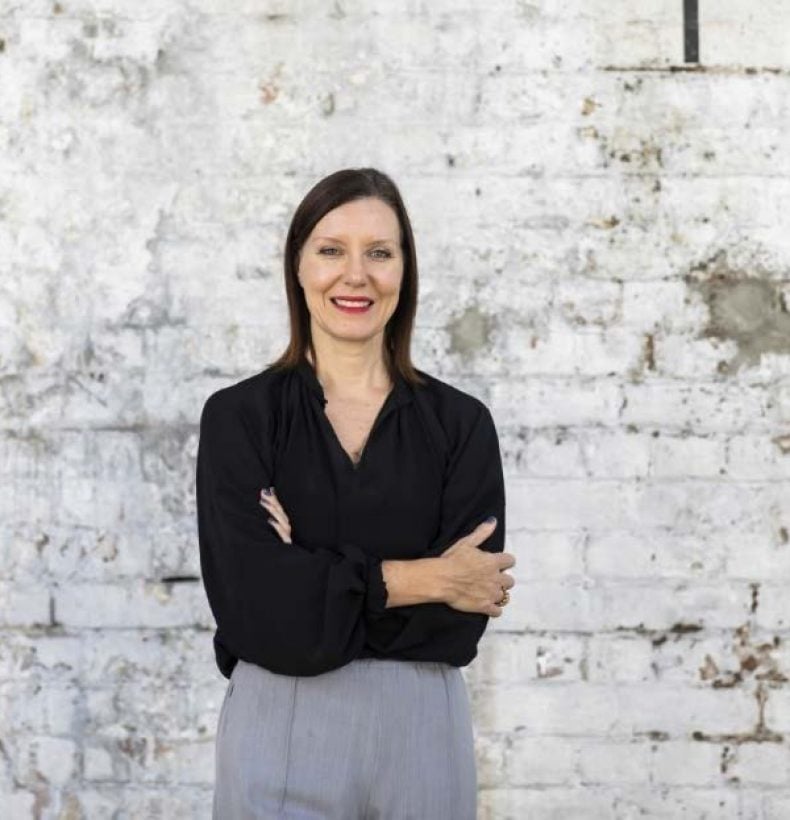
[(429, 473)]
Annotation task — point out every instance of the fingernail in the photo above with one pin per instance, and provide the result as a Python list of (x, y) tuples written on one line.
[(266, 491), (490, 520), (272, 521)]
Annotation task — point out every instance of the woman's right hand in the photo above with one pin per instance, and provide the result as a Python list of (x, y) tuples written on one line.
[(474, 578)]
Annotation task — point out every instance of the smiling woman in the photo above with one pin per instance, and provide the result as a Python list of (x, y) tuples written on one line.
[(351, 514), (351, 265)]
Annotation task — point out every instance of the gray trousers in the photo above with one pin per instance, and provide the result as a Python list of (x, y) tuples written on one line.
[(373, 740)]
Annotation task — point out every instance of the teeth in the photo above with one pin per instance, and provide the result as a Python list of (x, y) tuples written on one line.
[(345, 303)]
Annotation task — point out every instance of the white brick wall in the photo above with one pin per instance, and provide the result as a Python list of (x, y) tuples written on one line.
[(586, 217)]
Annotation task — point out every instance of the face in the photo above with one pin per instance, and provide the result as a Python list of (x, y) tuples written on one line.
[(353, 251)]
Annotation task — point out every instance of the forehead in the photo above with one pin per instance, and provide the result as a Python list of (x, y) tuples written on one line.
[(368, 219)]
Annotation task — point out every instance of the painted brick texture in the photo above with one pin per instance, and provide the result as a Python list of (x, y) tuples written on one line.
[(604, 260)]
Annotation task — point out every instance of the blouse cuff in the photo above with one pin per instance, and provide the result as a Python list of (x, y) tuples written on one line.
[(376, 599)]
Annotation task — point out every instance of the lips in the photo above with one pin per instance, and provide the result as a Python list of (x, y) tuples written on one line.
[(351, 305)]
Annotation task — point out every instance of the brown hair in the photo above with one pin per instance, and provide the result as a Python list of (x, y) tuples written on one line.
[(334, 190)]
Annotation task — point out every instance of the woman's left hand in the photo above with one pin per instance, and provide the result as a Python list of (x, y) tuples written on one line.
[(279, 520)]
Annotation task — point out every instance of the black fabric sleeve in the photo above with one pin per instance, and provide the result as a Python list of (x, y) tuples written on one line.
[(291, 609), (474, 488)]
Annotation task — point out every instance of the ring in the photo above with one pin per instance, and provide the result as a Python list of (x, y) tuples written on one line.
[(505, 597)]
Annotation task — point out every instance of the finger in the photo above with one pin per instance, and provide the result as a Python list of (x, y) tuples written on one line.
[(278, 527), (482, 531), (285, 532), (485, 526), (506, 560), (274, 506), (277, 513), (273, 497), (271, 500)]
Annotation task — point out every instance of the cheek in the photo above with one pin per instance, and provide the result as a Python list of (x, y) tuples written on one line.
[(316, 282), (389, 282)]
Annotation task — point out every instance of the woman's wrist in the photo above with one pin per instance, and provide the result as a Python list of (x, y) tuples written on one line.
[(414, 581)]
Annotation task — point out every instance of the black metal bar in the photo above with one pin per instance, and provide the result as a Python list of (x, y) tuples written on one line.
[(690, 31)]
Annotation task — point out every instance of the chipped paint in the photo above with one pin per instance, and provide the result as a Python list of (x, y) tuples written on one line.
[(618, 185), (755, 661), (743, 306), (470, 333), (783, 443)]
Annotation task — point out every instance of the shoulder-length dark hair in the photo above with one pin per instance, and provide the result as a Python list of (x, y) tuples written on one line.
[(343, 186)]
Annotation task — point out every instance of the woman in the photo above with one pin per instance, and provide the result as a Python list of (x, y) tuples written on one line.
[(347, 554)]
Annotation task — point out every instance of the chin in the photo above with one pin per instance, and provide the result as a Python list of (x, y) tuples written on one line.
[(361, 335)]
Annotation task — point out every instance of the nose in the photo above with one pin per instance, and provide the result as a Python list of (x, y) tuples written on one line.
[(355, 269)]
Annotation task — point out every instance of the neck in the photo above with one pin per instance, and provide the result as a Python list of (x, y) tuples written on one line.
[(350, 368)]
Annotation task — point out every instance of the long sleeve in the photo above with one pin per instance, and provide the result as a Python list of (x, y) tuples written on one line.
[(473, 489), (291, 609)]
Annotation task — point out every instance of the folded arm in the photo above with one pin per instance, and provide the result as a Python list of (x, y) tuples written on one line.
[(289, 608), (474, 488)]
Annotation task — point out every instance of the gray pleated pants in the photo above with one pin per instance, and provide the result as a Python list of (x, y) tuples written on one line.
[(373, 740)]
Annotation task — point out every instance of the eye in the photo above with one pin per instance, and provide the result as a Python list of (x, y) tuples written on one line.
[(386, 254)]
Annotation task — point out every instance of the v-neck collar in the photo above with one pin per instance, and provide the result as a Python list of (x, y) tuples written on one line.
[(398, 395)]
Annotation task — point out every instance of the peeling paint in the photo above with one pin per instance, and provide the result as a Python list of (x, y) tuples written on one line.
[(543, 667), (760, 733), (133, 747), (650, 352), (589, 105), (757, 662), (654, 734), (660, 636), (270, 89), (681, 628), (605, 222), (745, 308), (642, 142), (708, 670), (470, 333), (727, 757), (752, 658), (783, 443), (328, 105), (755, 597)]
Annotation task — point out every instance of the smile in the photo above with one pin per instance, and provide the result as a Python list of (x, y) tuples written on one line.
[(352, 305)]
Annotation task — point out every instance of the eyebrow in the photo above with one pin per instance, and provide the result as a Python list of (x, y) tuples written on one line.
[(372, 241)]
